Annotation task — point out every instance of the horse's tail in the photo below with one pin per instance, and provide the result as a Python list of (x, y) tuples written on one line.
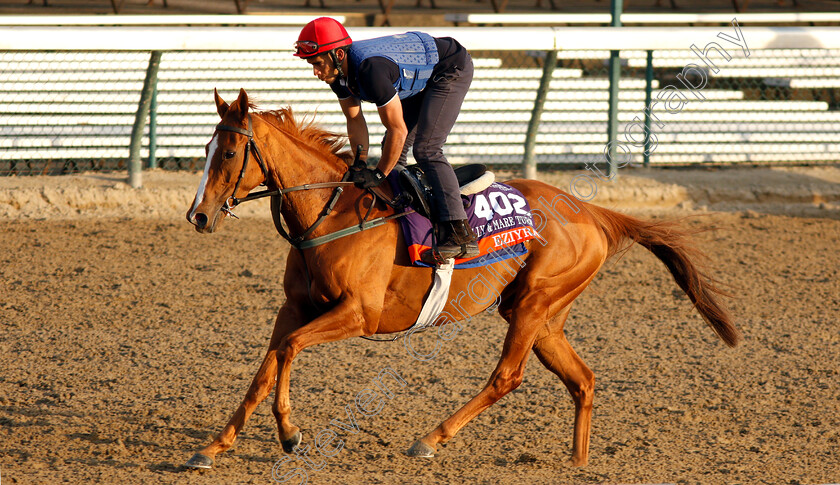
[(671, 244)]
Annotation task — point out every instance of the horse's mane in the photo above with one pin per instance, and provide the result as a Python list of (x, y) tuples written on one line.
[(308, 132)]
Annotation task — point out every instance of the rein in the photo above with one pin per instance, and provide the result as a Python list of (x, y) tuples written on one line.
[(300, 242)]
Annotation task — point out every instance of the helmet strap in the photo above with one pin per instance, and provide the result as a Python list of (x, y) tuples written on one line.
[(337, 64)]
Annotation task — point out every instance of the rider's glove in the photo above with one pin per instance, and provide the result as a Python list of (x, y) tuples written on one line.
[(365, 178)]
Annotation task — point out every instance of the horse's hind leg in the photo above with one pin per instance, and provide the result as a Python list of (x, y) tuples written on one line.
[(557, 355), (525, 323)]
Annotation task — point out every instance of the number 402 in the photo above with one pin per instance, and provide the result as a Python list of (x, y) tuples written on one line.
[(500, 203)]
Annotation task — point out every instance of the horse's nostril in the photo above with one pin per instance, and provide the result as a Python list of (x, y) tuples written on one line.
[(200, 220)]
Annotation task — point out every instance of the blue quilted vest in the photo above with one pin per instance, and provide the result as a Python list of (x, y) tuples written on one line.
[(415, 53)]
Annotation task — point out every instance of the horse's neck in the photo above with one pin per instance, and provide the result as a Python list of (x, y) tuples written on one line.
[(294, 164)]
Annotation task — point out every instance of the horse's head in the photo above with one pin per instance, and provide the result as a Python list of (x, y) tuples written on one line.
[(228, 171)]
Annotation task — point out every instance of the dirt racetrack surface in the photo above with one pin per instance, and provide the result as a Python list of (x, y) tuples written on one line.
[(128, 339)]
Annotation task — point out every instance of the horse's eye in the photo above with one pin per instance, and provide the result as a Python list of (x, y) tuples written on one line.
[(230, 154)]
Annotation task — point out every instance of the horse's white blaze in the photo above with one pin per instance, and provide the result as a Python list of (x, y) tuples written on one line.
[(199, 196)]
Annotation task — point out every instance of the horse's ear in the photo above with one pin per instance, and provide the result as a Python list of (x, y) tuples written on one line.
[(243, 97), (239, 108), (221, 106)]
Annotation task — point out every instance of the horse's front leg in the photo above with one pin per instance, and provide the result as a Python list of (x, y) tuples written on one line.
[(343, 321), (288, 319)]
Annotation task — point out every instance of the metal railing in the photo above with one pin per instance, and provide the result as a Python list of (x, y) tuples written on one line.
[(700, 95)]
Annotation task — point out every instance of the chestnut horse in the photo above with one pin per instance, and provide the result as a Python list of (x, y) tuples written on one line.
[(362, 284)]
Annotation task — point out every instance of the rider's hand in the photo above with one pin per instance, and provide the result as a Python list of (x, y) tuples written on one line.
[(361, 175), (365, 178)]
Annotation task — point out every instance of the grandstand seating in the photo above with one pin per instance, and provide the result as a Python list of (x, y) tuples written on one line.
[(76, 110), (544, 18)]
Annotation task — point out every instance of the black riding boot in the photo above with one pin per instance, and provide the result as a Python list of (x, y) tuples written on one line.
[(455, 239)]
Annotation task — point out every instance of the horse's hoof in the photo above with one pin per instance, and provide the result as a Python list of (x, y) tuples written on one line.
[(289, 444), (420, 449), (199, 461)]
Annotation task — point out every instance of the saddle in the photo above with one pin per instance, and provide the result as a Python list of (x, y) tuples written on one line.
[(417, 194)]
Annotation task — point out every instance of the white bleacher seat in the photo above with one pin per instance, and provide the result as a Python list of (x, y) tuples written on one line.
[(697, 139), (603, 106), (76, 75), (833, 83), (157, 20), (49, 86), (791, 117), (822, 71), (520, 73), (673, 19), (599, 54), (53, 109), (486, 62), (791, 54), (278, 75), (758, 65)]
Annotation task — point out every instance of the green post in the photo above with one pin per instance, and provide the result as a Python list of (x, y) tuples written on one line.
[(153, 130), (615, 76), (648, 95), (135, 169), (529, 162)]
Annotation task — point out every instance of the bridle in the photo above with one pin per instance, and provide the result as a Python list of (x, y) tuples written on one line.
[(299, 242), (250, 146)]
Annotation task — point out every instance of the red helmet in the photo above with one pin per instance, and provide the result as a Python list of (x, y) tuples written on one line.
[(321, 35)]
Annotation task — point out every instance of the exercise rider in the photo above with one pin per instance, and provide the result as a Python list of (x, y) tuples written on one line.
[(418, 84)]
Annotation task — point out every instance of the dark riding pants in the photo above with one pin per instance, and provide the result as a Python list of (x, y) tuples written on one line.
[(429, 117)]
